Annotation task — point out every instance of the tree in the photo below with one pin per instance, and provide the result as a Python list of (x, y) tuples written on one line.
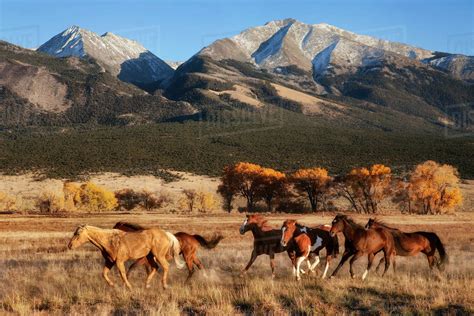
[(189, 200), (243, 178), (365, 188), (434, 188), (271, 184), (314, 182)]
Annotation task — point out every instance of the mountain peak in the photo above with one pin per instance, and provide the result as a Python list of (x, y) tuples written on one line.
[(122, 57)]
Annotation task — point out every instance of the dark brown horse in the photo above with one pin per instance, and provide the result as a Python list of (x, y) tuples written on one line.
[(266, 240), (411, 244), (360, 241), (320, 239), (189, 245)]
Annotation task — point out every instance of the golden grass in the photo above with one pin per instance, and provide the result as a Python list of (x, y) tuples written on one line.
[(38, 273)]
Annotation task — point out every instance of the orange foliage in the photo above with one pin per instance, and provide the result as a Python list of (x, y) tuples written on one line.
[(434, 189), (314, 182)]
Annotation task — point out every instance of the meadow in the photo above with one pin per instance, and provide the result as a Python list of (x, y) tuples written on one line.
[(40, 275)]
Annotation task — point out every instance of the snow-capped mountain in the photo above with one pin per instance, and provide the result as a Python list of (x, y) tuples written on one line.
[(321, 48), (122, 57)]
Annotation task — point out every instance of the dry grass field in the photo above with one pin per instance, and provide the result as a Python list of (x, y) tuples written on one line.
[(38, 274)]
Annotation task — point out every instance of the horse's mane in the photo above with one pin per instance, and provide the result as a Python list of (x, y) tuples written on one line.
[(383, 224), (350, 220), (131, 226), (262, 223)]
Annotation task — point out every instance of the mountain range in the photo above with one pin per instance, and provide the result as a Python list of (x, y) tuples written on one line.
[(317, 70)]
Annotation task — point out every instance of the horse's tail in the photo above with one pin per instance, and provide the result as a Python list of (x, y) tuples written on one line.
[(442, 252), (208, 244), (176, 250), (335, 245), (435, 242)]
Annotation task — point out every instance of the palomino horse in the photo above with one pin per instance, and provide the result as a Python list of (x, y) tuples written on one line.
[(118, 246), (360, 241), (411, 244), (320, 239), (189, 245), (266, 240)]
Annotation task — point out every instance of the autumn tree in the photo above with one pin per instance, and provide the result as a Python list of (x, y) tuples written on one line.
[(251, 181), (314, 182), (434, 188), (271, 183), (365, 188)]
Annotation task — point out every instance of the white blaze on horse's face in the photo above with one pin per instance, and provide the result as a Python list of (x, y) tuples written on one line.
[(242, 227), (282, 241), (304, 230)]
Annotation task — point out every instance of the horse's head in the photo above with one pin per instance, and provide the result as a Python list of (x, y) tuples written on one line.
[(287, 231), (79, 238), (372, 222), (245, 225), (337, 224)]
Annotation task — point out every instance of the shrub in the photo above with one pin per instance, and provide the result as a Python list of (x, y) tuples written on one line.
[(50, 202), (129, 199), (206, 202), (96, 199), (7, 202)]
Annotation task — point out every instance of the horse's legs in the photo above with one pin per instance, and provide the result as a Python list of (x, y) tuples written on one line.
[(142, 261), (387, 255), (370, 257), (317, 260), (299, 261), (353, 259), (380, 264), (198, 263), (152, 273), (252, 259), (328, 259), (431, 261), (165, 266), (272, 264), (345, 256), (105, 272), (123, 273), (190, 265)]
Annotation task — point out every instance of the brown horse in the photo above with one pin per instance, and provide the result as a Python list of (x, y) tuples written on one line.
[(360, 241), (118, 246), (301, 247), (411, 244), (189, 245), (320, 239), (266, 240)]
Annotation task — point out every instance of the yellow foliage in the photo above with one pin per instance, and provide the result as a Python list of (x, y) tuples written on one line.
[(7, 202), (95, 198), (206, 202), (434, 188), (72, 195), (314, 183)]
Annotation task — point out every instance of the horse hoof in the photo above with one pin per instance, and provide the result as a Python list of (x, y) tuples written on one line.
[(147, 286), (273, 276), (353, 276)]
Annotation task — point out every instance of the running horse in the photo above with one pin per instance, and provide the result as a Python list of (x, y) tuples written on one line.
[(320, 238), (411, 244), (360, 241), (189, 244), (266, 240), (118, 246)]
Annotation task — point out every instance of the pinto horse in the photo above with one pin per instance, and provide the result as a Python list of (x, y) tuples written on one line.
[(266, 240), (360, 241), (189, 245), (411, 244), (319, 239), (118, 246)]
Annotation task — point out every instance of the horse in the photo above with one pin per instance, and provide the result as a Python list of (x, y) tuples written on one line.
[(320, 238), (411, 244), (360, 241), (266, 240), (118, 246), (302, 250), (189, 245)]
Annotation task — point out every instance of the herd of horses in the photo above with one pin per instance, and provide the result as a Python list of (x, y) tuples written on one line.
[(153, 247)]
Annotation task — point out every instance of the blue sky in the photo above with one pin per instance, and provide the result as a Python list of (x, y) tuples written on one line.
[(175, 30)]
